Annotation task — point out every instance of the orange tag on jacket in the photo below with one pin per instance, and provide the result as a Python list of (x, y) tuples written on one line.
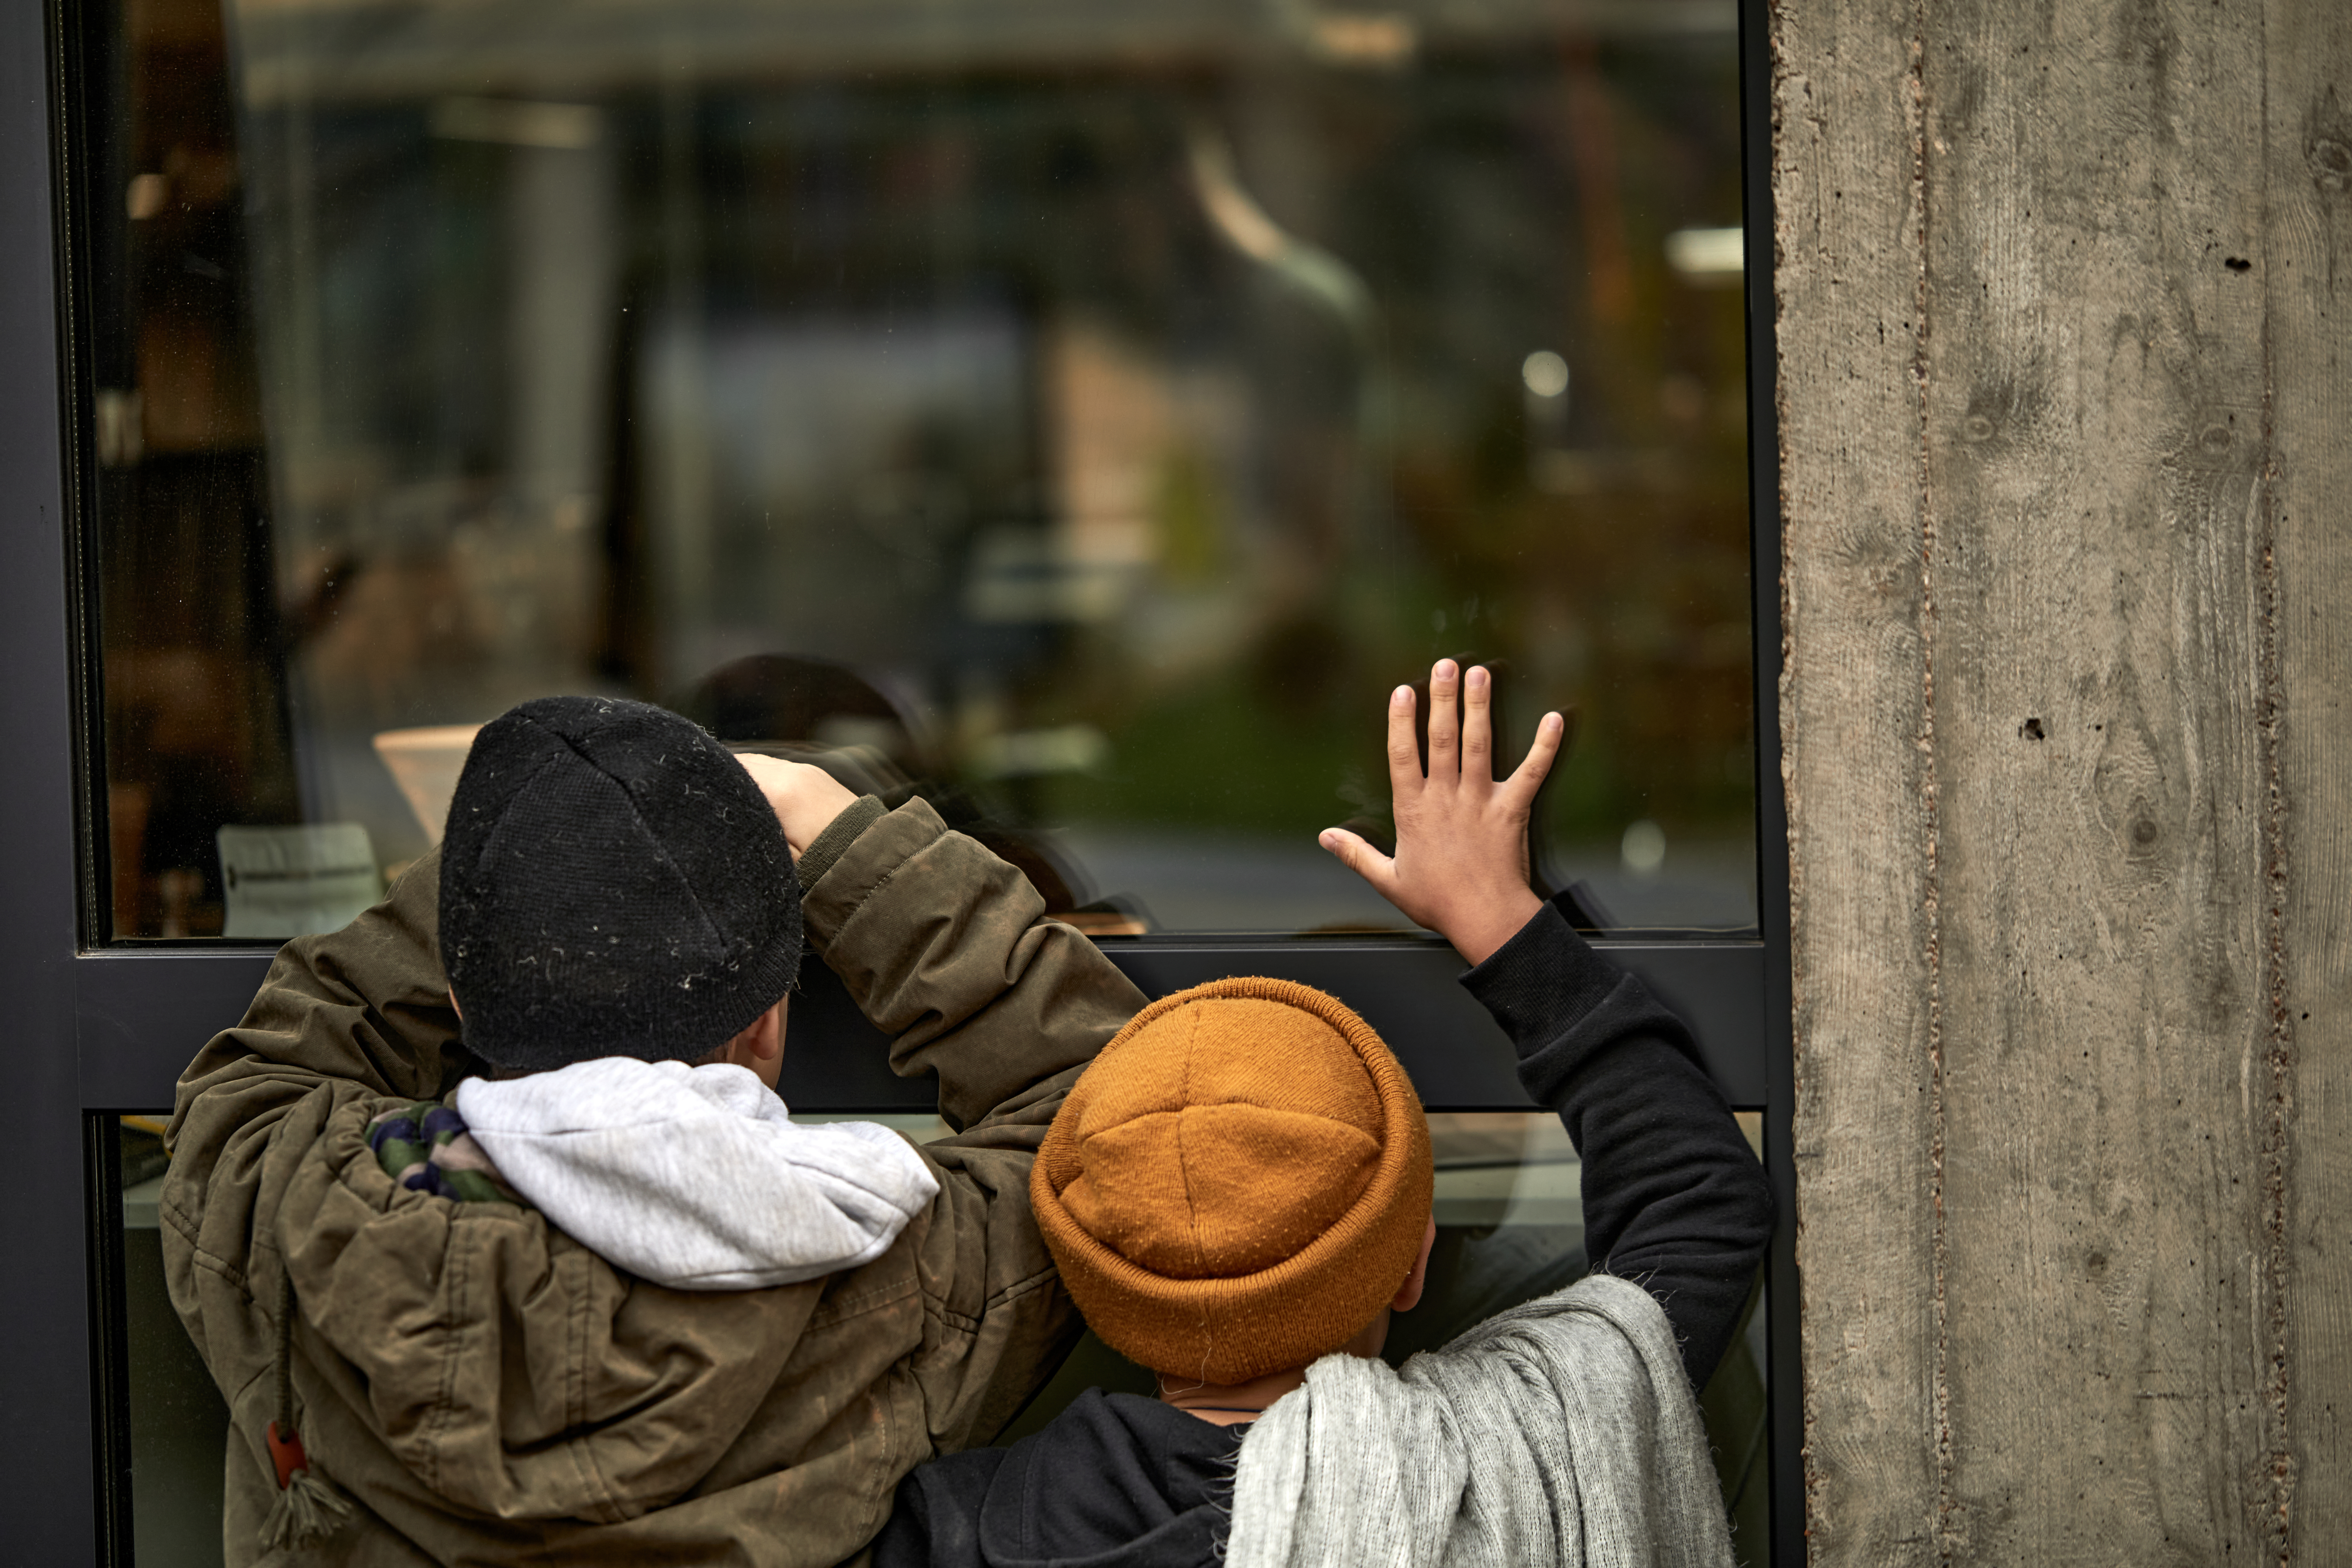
[(286, 1453)]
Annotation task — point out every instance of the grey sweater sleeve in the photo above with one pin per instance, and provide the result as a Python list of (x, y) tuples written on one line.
[(1673, 1198)]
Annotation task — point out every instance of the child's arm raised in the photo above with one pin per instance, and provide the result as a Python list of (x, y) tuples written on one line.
[(948, 949), (943, 944), (1672, 1197)]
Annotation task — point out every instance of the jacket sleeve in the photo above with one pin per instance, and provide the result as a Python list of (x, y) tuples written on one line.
[(948, 949), (1673, 1198), (360, 1011)]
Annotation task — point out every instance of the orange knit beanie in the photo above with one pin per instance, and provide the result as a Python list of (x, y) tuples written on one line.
[(1239, 1183)]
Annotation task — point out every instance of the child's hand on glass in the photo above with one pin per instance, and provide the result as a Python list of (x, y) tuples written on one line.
[(1461, 861)]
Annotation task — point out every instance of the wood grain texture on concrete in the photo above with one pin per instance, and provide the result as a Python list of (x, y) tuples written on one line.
[(2304, 259), (2095, 450), (2065, 478), (1861, 815)]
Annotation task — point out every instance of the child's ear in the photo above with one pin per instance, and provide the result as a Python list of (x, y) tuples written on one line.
[(757, 1043), (1408, 1294), (761, 1039), (767, 1032)]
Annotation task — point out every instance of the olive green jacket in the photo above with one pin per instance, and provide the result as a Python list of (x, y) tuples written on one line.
[(487, 1390)]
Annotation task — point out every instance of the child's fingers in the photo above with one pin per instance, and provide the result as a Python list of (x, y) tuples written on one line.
[(1404, 752), (1477, 728), (1359, 857), (1444, 722), (1529, 773)]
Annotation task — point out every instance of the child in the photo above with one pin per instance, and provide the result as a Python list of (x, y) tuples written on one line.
[(422, 1369), (1239, 1194)]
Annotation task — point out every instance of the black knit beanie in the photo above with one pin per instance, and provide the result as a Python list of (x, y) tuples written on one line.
[(612, 884)]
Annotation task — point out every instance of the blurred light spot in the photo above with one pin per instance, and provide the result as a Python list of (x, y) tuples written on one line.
[(1029, 753), (564, 127), (1377, 42), (146, 196), (1708, 254), (1544, 372), (121, 428), (1644, 847)]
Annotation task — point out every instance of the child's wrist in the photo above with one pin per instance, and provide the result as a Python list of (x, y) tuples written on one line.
[(812, 808), (1479, 932)]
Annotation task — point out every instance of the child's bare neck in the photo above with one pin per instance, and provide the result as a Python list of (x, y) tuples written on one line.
[(1228, 1405), (1231, 1404)]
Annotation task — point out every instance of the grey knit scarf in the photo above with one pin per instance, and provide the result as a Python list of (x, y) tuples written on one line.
[(1561, 1433)]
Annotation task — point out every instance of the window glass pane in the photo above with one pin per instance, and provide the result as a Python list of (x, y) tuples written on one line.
[(1083, 415), (179, 1423)]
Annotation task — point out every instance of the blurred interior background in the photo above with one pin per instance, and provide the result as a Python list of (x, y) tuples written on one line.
[(1081, 415)]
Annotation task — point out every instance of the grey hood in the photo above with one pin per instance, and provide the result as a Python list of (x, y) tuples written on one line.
[(695, 1177)]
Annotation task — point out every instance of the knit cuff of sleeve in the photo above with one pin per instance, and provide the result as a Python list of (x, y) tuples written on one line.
[(838, 836), (1545, 976)]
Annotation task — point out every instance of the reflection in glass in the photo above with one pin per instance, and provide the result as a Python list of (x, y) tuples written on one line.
[(1089, 411)]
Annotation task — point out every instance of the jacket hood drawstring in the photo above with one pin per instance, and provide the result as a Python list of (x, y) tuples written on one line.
[(308, 1509)]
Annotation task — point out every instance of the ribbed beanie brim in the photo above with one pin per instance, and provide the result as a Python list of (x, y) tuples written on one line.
[(1238, 1184), (613, 883)]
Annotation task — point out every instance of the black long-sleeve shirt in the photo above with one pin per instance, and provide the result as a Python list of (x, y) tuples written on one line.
[(1673, 1198)]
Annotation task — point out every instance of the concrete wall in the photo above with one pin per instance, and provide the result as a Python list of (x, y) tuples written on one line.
[(2065, 326)]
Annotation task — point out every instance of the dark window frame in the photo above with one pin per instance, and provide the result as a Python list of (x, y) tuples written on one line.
[(102, 1030)]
